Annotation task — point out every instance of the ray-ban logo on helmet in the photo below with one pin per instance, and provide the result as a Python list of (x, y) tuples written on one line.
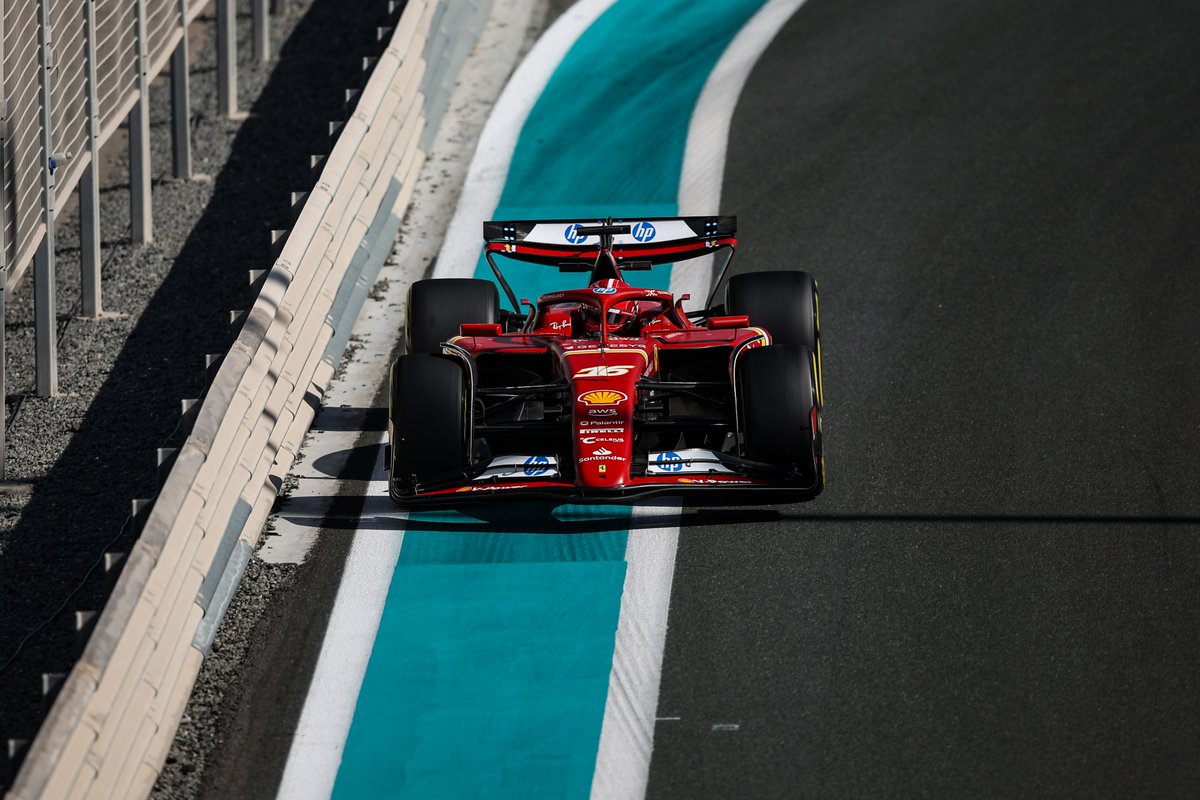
[(643, 231), (603, 397)]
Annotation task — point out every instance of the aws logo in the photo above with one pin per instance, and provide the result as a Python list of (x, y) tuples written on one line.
[(603, 397)]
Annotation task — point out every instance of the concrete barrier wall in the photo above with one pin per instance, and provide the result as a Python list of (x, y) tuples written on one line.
[(109, 730)]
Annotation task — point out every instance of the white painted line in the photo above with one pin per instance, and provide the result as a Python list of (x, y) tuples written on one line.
[(316, 752), (489, 167), (320, 737), (627, 735), (313, 484), (708, 133)]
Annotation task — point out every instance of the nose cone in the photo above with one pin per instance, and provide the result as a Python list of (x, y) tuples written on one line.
[(604, 429)]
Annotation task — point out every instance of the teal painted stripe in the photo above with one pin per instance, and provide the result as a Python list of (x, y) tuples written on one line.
[(608, 134), (487, 671), (490, 669), (526, 534)]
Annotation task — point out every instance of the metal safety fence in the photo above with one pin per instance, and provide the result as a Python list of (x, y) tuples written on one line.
[(109, 730), (73, 72)]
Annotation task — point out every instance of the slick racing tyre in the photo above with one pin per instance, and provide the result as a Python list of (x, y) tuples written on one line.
[(785, 304), (779, 410), (437, 307), (428, 422)]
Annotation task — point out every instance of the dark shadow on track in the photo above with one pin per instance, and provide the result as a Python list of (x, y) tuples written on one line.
[(1007, 519), (347, 514)]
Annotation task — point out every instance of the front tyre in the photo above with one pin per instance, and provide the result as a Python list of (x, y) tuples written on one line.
[(780, 414), (438, 306), (785, 304), (427, 423)]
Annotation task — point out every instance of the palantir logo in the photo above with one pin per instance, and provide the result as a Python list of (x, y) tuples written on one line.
[(572, 234), (643, 231), (536, 465)]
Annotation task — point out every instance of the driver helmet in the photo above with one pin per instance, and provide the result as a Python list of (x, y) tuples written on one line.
[(621, 316)]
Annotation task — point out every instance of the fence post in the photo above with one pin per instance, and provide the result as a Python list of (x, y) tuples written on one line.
[(3, 253), (89, 181), (262, 31), (227, 58), (141, 210), (3, 388), (181, 102), (45, 311)]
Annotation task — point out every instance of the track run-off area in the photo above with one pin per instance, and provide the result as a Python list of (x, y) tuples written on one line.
[(999, 592)]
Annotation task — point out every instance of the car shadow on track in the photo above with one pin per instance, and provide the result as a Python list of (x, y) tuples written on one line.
[(379, 513), (1008, 519)]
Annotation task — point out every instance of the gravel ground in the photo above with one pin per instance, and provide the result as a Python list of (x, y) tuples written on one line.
[(86, 453)]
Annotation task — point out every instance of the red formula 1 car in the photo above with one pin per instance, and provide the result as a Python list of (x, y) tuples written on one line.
[(608, 393)]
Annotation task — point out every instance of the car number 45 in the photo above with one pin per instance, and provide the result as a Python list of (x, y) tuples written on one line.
[(603, 371)]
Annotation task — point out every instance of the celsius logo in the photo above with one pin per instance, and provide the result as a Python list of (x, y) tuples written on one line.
[(572, 234), (643, 231)]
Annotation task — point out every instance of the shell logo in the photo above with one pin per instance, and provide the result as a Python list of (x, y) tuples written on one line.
[(603, 397)]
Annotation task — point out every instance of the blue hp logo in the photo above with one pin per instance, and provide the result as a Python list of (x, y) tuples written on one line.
[(536, 465), (643, 231), (669, 462), (572, 234)]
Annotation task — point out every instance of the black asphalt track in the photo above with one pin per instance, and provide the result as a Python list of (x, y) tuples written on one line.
[(999, 593)]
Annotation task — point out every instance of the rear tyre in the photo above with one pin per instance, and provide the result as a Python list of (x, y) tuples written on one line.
[(428, 428), (437, 307), (780, 412), (785, 304)]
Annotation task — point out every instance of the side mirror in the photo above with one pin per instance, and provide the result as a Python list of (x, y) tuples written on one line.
[(724, 323), (479, 329)]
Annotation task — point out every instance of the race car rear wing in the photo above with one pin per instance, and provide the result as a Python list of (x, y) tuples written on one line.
[(569, 243), (605, 247)]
